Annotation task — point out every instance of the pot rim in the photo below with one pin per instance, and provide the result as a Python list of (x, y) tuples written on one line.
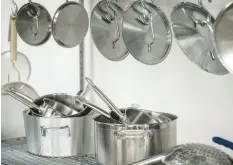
[(153, 125)]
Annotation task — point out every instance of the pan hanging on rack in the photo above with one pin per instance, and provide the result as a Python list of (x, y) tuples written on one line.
[(34, 24), (192, 25), (70, 24), (106, 29), (223, 37), (147, 32)]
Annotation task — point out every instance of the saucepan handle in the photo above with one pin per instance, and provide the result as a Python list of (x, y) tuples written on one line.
[(64, 130), (223, 142)]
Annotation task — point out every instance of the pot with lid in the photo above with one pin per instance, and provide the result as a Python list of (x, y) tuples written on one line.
[(119, 144)]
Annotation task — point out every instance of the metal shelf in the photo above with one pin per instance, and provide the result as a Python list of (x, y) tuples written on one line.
[(14, 152)]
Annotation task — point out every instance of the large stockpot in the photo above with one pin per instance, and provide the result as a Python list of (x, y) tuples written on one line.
[(59, 137), (117, 144)]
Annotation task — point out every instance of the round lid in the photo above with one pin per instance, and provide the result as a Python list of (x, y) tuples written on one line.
[(106, 29), (33, 24), (14, 71), (70, 24), (192, 26), (223, 36), (147, 33)]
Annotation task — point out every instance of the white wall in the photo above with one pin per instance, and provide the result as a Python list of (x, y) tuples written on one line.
[(202, 101)]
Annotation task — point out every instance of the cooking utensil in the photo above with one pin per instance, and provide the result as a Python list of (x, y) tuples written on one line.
[(118, 114), (222, 36), (190, 154), (14, 71), (146, 32), (12, 33), (22, 88), (34, 24), (124, 144), (70, 24), (192, 25), (10, 128), (92, 107), (224, 142), (60, 137), (133, 116), (49, 108), (106, 29)]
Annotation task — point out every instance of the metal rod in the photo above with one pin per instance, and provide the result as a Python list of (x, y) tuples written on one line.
[(81, 61)]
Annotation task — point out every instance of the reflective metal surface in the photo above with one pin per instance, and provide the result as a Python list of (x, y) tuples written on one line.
[(70, 24), (223, 36), (194, 38), (190, 154), (112, 148), (147, 33), (106, 29), (33, 28), (14, 71)]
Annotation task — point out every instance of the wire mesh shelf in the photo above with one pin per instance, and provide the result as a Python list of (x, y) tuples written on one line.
[(14, 152)]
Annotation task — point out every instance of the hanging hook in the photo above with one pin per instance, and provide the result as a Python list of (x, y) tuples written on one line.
[(149, 20), (116, 22), (18, 73), (207, 22), (34, 13), (14, 10)]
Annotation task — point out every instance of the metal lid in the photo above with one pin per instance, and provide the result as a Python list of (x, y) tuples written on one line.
[(192, 26), (106, 21), (223, 36), (33, 24), (147, 33), (70, 24)]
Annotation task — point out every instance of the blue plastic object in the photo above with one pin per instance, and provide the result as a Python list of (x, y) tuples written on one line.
[(223, 142)]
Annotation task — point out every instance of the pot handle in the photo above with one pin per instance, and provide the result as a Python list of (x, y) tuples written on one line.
[(65, 130), (133, 134)]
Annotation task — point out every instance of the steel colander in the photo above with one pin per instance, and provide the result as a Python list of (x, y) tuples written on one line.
[(190, 154)]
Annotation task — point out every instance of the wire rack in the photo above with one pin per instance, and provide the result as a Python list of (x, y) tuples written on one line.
[(14, 152)]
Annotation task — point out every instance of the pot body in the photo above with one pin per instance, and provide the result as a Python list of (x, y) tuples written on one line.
[(116, 145), (60, 137)]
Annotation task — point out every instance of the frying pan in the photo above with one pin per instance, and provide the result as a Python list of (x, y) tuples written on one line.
[(70, 24)]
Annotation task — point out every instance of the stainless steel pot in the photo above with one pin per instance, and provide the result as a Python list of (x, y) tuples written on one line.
[(117, 144), (59, 137)]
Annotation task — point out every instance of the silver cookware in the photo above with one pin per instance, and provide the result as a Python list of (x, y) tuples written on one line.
[(124, 144), (131, 116), (49, 108), (60, 137), (70, 24), (106, 30), (223, 38), (34, 24), (193, 28), (146, 32), (190, 154)]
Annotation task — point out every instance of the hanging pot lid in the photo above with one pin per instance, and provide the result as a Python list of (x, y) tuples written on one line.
[(147, 33), (194, 36), (34, 24), (70, 24), (106, 21), (223, 36)]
